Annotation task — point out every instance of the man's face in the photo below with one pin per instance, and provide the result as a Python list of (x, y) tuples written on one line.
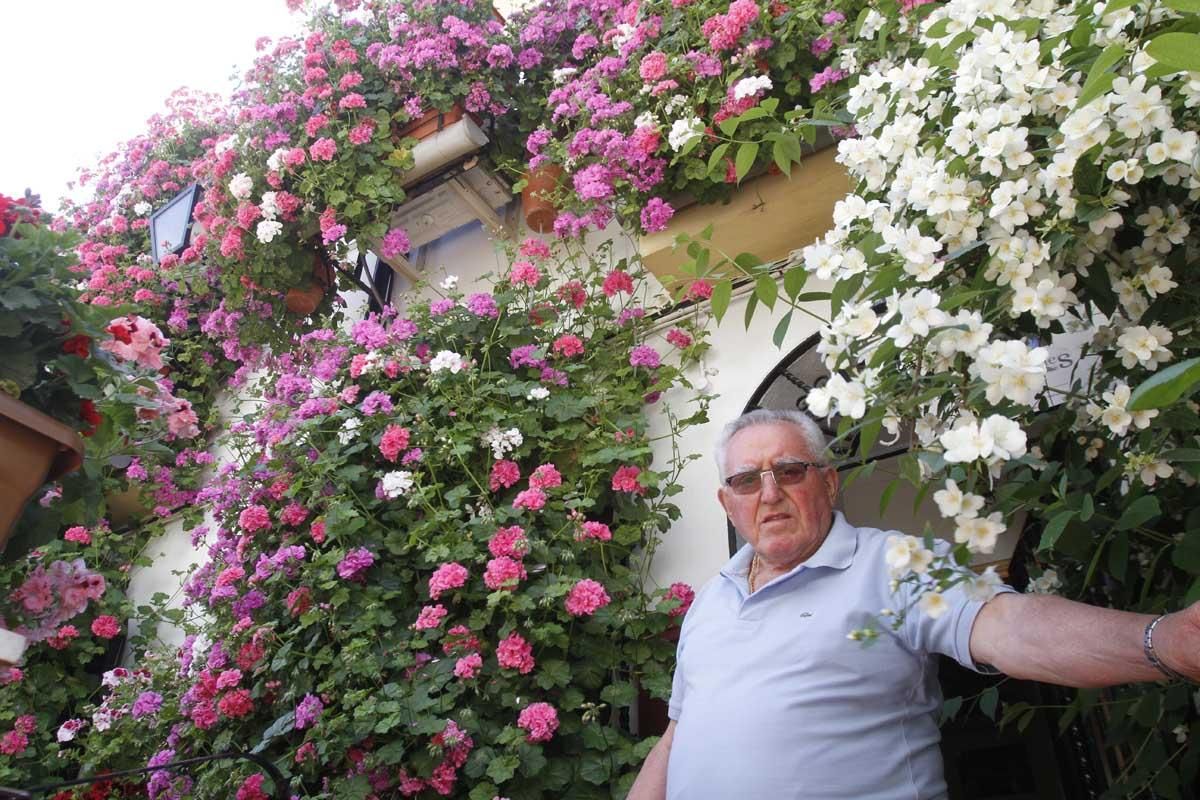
[(784, 524)]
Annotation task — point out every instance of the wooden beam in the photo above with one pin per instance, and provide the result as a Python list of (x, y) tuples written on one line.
[(480, 207), (769, 216)]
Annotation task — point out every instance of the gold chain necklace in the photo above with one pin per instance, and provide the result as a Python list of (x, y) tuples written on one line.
[(753, 572)]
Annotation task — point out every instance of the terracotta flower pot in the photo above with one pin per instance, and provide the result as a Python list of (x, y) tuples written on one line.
[(536, 205), (304, 300), (34, 448), (429, 123)]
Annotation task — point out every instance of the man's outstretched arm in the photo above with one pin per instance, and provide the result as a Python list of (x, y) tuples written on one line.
[(1055, 640), (651, 783)]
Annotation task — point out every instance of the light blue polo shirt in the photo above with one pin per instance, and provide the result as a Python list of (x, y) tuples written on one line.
[(773, 702)]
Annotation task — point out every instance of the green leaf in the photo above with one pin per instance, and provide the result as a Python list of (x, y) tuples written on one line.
[(885, 498), (1178, 50), (1087, 508), (988, 701), (950, 709), (939, 29), (1183, 6), (595, 768), (746, 155), (714, 159), (1118, 556), (722, 292), (751, 306), (781, 329), (1054, 529), (1186, 554), (767, 290), (1166, 386), (1111, 6), (282, 725), (1139, 512), (729, 125), (503, 768), (1099, 80), (794, 280)]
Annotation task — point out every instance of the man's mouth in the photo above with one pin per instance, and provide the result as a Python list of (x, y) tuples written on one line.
[(773, 518)]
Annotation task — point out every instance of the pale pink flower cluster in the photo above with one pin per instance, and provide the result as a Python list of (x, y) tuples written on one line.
[(593, 530), (503, 573), (531, 499), (136, 339), (514, 652), (430, 617), (545, 477), (448, 576), (586, 597), (254, 518), (509, 542), (468, 666)]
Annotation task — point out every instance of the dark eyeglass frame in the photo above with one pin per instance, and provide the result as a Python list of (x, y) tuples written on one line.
[(786, 474)]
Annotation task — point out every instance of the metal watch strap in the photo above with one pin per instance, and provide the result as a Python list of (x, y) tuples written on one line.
[(1152, 657)]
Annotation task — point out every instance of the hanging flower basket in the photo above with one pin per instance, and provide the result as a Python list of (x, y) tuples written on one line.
[(34, 448), (536, 206), (303, 301)]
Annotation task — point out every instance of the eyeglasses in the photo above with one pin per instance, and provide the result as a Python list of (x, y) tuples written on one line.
[(788, 474)]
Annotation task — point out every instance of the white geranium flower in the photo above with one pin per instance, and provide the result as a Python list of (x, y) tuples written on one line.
[(446, 360), (275, 160), (267, 230), (241, 185), (349, 430), (68, 730), (749, 87), (562, 73), (538, 393), (978, 533), (449, 284), (683, 131), (102, 719), (394, 484), (268, 206), (503, 442), (142, 209), (646, 120)]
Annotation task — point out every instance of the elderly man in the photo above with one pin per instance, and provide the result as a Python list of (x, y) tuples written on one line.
[(771, 700)]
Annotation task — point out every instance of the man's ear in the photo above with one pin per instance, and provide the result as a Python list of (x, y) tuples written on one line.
[(721, 498), (832, 483)]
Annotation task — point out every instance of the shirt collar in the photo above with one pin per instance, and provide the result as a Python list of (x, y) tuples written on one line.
[(836, 552)]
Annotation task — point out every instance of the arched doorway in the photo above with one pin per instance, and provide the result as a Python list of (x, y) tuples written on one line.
[(1030, 761)]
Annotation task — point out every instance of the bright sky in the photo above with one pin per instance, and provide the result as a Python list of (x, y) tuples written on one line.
[(78, 77)]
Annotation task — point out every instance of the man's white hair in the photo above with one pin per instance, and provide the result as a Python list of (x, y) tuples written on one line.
[(814, 438)]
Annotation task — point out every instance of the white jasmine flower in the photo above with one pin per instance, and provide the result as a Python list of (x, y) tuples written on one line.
[(933, 604), (446, 360), (394, 484), (953, 502), (1046, 583), (978, 533), (907, 554), (1146, 346), (1012, 370), (983, 587), (683, 131), (749, 87), (241, 185), (267, 230), (141, 209)]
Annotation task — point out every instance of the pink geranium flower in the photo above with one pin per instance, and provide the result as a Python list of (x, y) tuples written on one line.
[(514, 652), (540, 720), (586, 597), (446, 577)]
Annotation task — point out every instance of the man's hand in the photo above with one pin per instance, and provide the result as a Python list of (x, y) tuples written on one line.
[(1177, 642)]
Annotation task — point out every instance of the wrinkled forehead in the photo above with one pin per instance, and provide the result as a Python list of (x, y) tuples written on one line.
[(763, 446)]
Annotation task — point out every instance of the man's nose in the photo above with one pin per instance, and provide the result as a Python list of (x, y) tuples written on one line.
[(771, 492)]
